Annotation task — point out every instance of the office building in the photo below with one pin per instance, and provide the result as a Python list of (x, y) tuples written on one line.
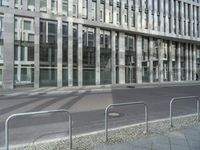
[(65, 43)]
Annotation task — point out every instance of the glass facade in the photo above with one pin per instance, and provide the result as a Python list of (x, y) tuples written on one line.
[(48, 53), (24, 51), (89, 42), (65, 54), (89, 56), (105, 57), (130, 59)]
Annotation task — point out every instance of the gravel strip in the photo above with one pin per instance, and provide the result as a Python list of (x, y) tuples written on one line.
[(116, 136)]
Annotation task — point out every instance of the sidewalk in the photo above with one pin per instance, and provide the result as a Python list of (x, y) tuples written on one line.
[(25, 90), (184, 139)]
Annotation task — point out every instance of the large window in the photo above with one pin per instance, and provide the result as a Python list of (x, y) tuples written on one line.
[(18, 4), (93, 11), (54, 6), (105, 57), (31, 5), (65, 7), (48, 53), (24, 51), (75, 8), (89, 55), (65, 54), (4, 3), (102, 11), (183, 63), (43, 5), (75, 54), (130, 59), (145, 58), (1, 27), (85, 9)]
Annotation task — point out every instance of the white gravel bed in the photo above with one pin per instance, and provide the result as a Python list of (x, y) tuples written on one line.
[(116, 136)]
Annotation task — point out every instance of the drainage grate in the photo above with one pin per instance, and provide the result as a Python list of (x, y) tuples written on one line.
[(114, 114)]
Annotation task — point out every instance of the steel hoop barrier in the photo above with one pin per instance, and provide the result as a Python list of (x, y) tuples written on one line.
[(183, 98), (37, 113), (124, 104)]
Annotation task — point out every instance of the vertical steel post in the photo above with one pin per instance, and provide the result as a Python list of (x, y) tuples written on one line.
[(70, 131), (106, 123), (198, 110), (146, 117), (6, 135), (171, 123)]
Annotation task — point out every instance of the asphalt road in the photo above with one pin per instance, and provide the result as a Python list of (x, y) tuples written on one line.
[(87, 108)]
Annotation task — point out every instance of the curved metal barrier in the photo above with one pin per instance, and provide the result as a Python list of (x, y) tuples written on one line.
[(124, 104), (37, 113), (183, 98)]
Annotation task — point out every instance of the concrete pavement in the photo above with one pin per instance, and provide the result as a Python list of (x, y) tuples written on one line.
[(184, 139), (87, 108)]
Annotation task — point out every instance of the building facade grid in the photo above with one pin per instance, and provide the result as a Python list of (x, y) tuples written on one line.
[(97, 42)]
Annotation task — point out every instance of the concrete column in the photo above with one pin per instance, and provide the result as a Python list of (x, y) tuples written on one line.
[(167, 16), (139, 59), (151, 49), (70, 8), (80, 11), (143, 15), (60, 54), (25, 4), (137, 15), (186, 62), (186, 20), (172, 16), (37, 5), (150, 23), (161, 16), (195, 22), (70, 54), (155, 15), (122, 58), (49, 7), (60, 7), (194, 62), (8, 53), (37, 53), (177, 19), (190, 63), (11, 4), (80, 55), (160, 61), (182, 19), (89, 7), (98, 56), (191, 21), (107, 10), (98, 10), (113, 38), (115, 12), (179, 61), (170, 61), (130, 3), (122, 9)]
